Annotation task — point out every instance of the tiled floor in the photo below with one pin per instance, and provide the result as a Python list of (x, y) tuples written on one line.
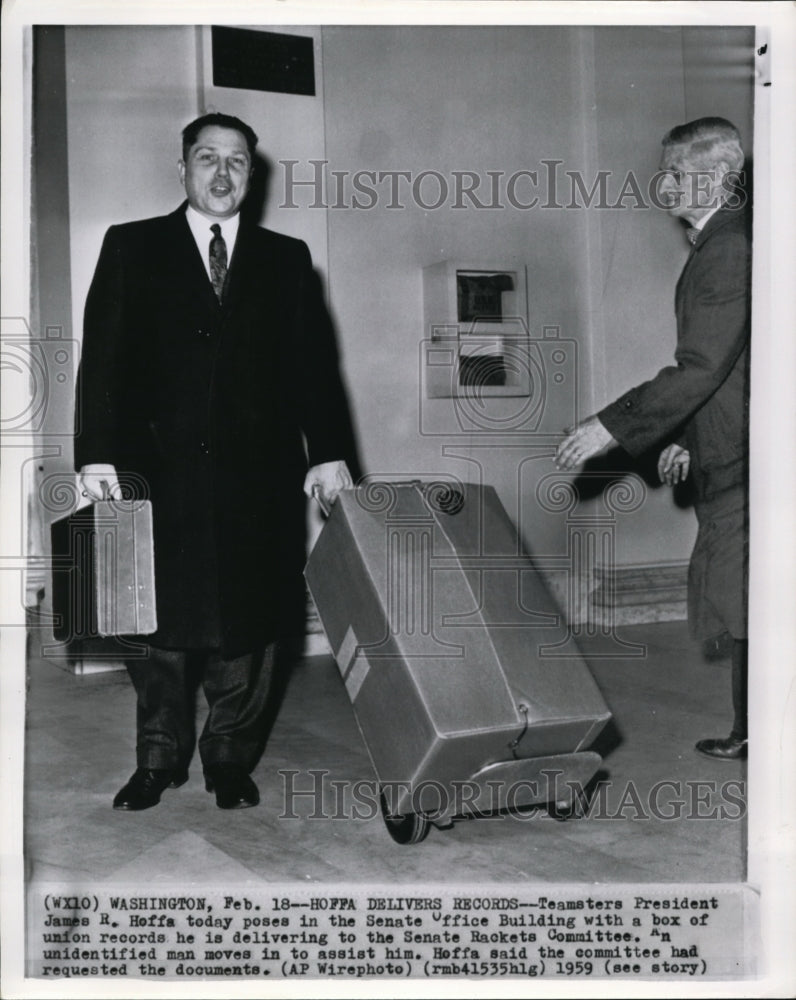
[(80, 750)]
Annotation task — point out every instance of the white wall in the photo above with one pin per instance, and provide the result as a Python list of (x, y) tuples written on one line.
[(479, 99), (638, 96), (718, 64), (446, 99), (443, 99), (646, 80), (130, 90)]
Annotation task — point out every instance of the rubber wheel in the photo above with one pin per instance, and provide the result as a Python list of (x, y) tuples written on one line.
[(409, 829)]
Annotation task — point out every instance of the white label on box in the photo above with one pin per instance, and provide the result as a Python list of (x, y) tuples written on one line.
[(353, 669), (356, 676), (347, 651)]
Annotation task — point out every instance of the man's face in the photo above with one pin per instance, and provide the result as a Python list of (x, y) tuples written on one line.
[(217, 171), (687, 189)]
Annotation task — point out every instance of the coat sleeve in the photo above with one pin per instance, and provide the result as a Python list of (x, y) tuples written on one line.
[(324, 411), (98, 378), (713, 330)]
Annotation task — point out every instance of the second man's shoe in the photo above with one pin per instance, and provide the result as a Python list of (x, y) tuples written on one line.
[(731, 748), (144, 789), (233, 787)]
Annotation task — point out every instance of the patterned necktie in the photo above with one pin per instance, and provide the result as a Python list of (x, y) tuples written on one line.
[(693, 234), (218, 260)]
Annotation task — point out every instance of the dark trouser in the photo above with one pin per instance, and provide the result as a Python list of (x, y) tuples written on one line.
[(717, 573), (740, 654), (717, 582), (236, 691)]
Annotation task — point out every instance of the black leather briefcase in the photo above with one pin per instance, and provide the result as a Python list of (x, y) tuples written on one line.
[(103, 571)]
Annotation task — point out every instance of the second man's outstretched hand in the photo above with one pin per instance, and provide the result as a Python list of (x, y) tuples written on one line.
[(583, 442)]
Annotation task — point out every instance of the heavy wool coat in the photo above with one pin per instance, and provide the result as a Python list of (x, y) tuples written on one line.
[(703, 402), (207, 408)]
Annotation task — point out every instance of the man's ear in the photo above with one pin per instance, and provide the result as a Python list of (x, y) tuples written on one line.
[(181, 171), (722, 168)]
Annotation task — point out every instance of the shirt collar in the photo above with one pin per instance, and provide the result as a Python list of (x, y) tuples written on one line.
[(706, 218), (200, 226)]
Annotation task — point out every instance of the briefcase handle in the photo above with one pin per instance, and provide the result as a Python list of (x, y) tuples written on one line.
[(106, 492)]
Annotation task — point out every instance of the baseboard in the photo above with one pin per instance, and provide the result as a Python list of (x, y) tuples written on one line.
[(624, 595), (632, 595), (83, 668), (317, 644)]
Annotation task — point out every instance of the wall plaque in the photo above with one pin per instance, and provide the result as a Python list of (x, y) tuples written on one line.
[(263, 60)]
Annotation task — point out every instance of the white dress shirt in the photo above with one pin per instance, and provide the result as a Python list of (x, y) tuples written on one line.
[(200, 227)]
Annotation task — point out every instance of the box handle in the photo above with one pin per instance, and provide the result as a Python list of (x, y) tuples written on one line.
[(318, 498)]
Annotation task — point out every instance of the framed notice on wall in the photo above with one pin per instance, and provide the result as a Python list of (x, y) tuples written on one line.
[(263, 60)]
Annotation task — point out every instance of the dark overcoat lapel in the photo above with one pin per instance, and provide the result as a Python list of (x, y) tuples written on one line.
[(185, 259), (713, 226)]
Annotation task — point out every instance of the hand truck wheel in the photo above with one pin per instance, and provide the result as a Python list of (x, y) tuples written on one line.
[(408, 829)]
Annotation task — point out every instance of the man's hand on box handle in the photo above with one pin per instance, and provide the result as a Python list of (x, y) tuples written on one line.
[(327, 480)]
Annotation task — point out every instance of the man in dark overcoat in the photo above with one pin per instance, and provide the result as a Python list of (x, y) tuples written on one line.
[(209, 381), (698, 408)]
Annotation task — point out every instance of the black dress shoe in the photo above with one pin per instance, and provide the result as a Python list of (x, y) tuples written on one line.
[(233, 787), (732, 748), (144, 789)]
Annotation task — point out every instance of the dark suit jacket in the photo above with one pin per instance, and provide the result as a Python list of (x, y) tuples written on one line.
[(206, 408), (703, 400)]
